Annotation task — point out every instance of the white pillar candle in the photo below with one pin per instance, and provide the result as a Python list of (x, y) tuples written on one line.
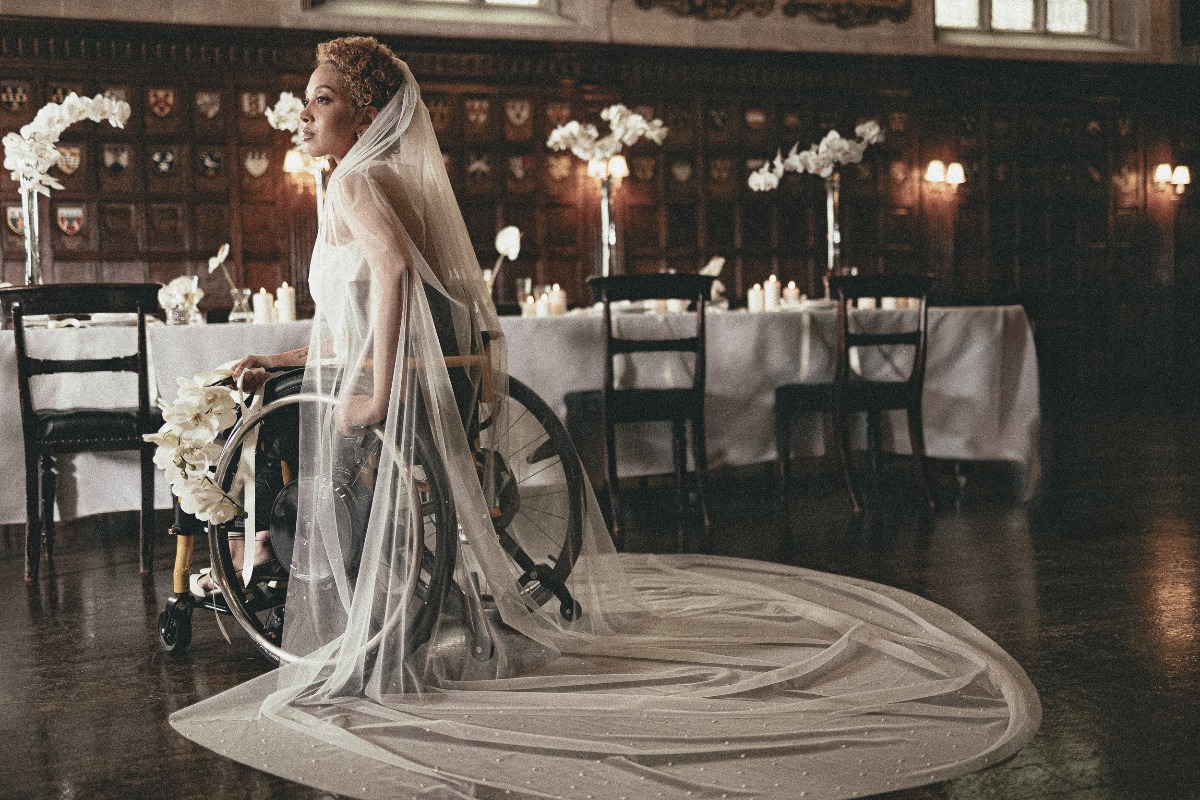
[(263, 306), (558, 300), (889, 303), (754, 298), (529, 307), (676, 306), (542, 308), (791, 293), (285, 303), (771, 293)]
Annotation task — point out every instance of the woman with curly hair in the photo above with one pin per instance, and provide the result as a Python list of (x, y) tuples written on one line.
[(676, 677)]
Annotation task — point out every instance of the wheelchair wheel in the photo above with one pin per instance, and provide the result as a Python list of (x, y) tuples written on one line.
[(540, 488), (259, 607)]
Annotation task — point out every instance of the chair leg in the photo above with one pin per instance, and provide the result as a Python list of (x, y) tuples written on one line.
[(48, 491), (916, 441), (679, 456), (843, 430), (874, 448), (783, 448), (700, 448), (146, 517), (614, 500), (33, 517)]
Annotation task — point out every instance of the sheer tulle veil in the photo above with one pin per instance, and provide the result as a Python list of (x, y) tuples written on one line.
[(683, 677)]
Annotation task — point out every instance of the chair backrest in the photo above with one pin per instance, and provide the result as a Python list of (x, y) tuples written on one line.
[(848, 289), (653, 286), (78, 299)]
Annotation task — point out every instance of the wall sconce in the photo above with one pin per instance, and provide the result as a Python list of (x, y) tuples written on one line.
[(939, 173), (1179, 177), (615, 167)]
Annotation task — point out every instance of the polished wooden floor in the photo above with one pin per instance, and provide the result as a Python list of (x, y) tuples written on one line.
[(1094, 587)]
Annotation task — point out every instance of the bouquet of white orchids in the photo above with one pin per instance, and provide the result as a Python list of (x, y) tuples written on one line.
[(187, 445), (821, 159)]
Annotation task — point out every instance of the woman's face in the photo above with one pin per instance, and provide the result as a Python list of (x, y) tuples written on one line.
[(330, 123)]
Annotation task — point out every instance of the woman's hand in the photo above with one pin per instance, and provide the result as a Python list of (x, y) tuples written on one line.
[(357, 411), (251, 371)]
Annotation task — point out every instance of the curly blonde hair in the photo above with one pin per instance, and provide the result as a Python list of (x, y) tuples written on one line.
[(372, 72)]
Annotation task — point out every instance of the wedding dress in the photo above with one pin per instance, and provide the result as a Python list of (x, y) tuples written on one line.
[(683, 676)]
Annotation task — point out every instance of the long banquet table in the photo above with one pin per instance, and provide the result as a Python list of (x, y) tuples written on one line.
[(981, 392)]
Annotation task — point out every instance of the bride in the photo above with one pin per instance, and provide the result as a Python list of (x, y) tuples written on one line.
[(684, 676)]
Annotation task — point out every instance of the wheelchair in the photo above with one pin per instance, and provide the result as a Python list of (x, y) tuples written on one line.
[(537, 515)]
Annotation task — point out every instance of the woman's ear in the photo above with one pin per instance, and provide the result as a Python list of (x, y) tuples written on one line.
[(366, 116)]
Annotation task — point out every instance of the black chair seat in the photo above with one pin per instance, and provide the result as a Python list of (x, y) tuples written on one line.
[(89, 427), (804, 396), (654, 405), (878, 395)]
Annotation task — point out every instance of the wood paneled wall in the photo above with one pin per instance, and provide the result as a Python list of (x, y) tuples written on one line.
[(1059, 211)]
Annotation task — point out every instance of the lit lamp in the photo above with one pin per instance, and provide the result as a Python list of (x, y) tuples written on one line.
[(952, 175), (1181, 176), (607, 170), (1165, 175)]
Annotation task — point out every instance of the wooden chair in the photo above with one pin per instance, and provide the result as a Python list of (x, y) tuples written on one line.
[(852, 393), (679, 406), (50, 432)]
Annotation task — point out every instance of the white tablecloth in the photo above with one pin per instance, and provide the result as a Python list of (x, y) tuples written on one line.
[(981, 391), (981, 381)]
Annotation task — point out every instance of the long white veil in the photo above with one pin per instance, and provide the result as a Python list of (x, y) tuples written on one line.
[(684, 676)]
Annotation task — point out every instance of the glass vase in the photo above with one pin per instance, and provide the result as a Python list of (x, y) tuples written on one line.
[(833, 231), (33, 239), (240, 310)]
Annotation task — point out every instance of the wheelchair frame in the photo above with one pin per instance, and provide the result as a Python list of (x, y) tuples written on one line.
[(540, 580)]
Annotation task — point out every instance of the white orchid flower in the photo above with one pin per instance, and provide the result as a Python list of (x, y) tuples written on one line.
[(869, 132), (763, 179), (625, 129)]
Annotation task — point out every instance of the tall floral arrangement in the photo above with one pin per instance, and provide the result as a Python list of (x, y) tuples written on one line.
[(625, 129), (821, 159), (30, 153), (187, 450)]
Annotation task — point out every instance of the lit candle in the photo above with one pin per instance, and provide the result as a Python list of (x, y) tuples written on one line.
[(792, 293), (263, 306), (754, 298), (285, 303), (771, 294), (676, 305), (529, 307), (558, 300), (889, 303), (543, 305)]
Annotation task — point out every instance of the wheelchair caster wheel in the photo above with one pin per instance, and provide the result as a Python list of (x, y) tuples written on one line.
[(570, 611), (175, 630)]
